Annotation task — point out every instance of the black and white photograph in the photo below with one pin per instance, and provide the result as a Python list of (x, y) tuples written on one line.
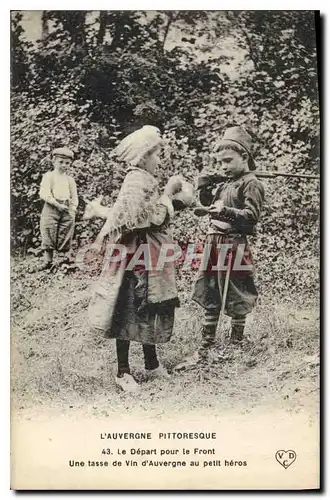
[(165, 249)]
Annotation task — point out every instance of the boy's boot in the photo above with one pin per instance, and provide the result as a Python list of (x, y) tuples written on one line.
[(208, 339), (209, 329), (48, 261), (237, 329)]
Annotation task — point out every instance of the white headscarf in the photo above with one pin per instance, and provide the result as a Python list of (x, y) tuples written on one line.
[(138, 196), (133, 148)]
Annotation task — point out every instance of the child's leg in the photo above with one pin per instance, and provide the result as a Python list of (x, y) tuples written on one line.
[(209, 328), (48, 256), (66, 227), (124, 378), (150, 357), (48, 230), (122, 347), (48, 261), (237, 328), (153, 368)]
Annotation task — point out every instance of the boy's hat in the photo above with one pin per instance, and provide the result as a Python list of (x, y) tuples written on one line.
[(239, 136), (63, 152)]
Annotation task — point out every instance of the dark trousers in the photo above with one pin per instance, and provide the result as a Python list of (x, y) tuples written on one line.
[(149, 352)]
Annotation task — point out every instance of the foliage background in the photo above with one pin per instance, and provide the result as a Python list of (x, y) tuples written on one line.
[(91, 77)]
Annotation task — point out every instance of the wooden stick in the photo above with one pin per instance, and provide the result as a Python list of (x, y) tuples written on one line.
[(225, 292)]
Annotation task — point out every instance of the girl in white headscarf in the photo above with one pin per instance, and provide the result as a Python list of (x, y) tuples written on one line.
[(138, 304)]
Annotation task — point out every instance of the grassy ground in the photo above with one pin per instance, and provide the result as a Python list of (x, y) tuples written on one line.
[(58, 363)]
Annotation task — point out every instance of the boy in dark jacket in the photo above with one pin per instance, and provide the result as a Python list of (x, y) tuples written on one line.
[(234, 210)]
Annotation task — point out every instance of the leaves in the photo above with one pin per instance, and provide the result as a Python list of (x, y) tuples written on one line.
[(94, 77)]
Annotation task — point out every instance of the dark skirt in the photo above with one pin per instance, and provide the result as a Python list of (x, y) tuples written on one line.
[(136, 305), (145, 323), (242, 293)]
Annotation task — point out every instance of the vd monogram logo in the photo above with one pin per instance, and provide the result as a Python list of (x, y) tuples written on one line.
[(285, 458)]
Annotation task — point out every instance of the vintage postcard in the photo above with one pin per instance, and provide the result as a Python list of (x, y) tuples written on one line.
[(165, 202)]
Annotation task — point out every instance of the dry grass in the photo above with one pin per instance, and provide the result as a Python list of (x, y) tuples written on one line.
[(56, 360)]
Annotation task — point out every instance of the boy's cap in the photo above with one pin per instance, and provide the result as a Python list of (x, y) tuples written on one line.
[(63, 152), (239, 136)]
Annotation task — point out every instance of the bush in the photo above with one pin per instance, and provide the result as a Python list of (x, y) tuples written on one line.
[(75, 87)]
